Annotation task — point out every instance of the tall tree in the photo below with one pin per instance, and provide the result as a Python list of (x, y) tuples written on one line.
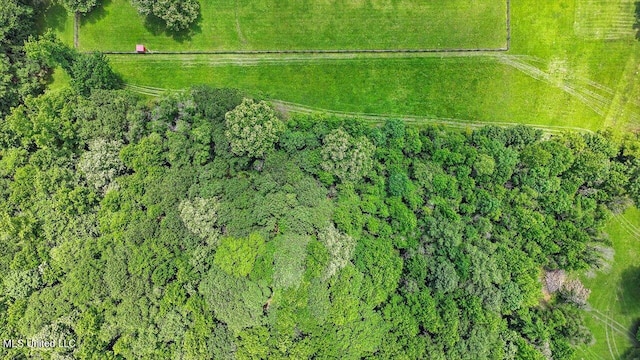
[(79, 6), (177, 14), (252, 128)]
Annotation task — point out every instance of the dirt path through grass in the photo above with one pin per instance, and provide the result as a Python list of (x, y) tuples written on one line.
[(76, 30)]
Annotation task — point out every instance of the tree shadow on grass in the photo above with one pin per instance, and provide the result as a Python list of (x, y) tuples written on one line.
[(633, 353), (54, 17), (629, 306), (636, 24), (630, 292), (157, 26), (98, 13)]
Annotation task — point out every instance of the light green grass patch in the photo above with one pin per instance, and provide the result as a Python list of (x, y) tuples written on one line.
[(59, 80), (461, 88), (298, 25), (593, 41), (614, 295), (595, 21)]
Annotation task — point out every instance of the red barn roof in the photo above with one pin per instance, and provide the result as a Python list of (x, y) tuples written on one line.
[(140, 48)]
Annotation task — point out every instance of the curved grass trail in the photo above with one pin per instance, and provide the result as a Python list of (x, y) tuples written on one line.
[(612, 337), (608, 338), (418, 120), (594, 354), (611, 325), (612, 106), (613, 321), (377, 119), (628, 226)]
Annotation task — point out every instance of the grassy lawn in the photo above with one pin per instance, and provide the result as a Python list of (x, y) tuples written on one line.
[(59, 80), (288, 25), (556, 73), (615, 294), (586, 39), (571, 63), (456, 87)]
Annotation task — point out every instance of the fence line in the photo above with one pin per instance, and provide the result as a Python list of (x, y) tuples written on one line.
[(332, 51)]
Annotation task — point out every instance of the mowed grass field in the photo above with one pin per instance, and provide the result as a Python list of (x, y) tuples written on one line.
[(571, 63), (296, 25), (615, 295), (460, 88)]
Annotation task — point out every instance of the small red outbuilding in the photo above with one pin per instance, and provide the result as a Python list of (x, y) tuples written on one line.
[(140, 49)]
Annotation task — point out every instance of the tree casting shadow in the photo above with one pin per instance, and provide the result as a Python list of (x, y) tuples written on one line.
[(54, 17), (98, 13), (157, 26)]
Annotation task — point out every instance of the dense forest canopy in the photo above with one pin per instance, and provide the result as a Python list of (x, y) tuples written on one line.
[(140, 230), (206, 224)]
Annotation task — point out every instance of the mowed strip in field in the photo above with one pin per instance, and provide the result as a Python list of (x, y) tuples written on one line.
[(475, 88), (306, 25)]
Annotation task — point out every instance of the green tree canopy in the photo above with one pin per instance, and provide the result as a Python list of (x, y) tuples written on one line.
[(345, 157), (177, 14), (79, 6), (252, 128)]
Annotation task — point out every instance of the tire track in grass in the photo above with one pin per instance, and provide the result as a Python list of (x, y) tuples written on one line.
[(241, 37), (623, 96), (145, 90), (612, 324), (628, 226), (630, 230), (604, 321), (595, 96), (613, 321), (606, 102), (613, 21), (381, 118), (274, 58), (593, 353), (606, 334), (596, 102), (417, 120), (635, 228), (613, 338)]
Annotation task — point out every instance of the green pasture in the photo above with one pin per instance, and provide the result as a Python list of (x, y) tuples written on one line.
[(615, 312), (461, 88), (587, 40), (571, 63), (294, 25)]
